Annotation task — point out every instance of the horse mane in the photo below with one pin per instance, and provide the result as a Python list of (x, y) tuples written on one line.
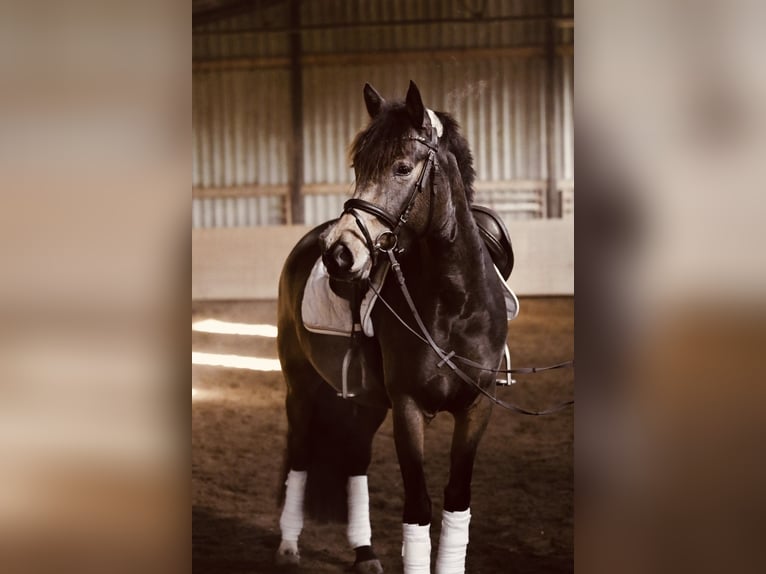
[(377, 146)]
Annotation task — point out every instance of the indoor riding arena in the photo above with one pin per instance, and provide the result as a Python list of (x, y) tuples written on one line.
[(277, 102)]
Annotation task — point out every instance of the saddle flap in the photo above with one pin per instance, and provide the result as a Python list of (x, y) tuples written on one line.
[(496, 237)]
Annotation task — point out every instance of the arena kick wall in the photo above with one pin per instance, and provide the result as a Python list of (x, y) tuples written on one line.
[(245, 262)]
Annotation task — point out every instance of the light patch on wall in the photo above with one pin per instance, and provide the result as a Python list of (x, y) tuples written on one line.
[(227, 328), (236, 361)]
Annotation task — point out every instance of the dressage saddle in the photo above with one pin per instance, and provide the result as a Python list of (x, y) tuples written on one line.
[(496, 237)]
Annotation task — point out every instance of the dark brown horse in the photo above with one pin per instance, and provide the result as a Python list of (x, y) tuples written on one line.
[(413, 194)]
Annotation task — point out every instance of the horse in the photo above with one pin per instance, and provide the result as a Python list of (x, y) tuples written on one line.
[(411, 206)]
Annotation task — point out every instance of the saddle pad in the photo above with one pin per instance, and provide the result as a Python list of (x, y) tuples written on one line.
[(511, 301), (327, 314)]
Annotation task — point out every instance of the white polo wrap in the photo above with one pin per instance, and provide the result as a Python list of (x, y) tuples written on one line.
[(416, 548), (359, 532), (291, 521), (453, 542)]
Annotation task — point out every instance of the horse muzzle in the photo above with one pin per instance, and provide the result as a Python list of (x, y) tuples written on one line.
[(346, 258), (339, 261), (345, 251)]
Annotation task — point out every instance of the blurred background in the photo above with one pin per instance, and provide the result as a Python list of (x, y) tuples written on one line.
[(95, 219), (671, 112)]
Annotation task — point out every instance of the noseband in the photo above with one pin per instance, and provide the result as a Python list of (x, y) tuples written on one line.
[(388, 240)]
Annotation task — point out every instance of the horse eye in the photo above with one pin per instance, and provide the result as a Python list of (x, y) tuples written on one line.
[(403, 169)]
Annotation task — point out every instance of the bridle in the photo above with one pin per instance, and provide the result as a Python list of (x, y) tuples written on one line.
[(387, 243), (388, 240)]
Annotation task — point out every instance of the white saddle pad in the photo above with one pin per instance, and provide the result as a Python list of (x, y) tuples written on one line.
[(327, 314), (511, 301)]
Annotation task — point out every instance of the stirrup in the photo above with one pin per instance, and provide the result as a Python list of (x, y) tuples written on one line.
[(507, 381)]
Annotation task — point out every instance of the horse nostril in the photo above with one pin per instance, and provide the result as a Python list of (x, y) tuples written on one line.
[(342, 257), (338, 259)]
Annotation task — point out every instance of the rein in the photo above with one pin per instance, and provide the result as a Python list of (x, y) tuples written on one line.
[(449, 358)]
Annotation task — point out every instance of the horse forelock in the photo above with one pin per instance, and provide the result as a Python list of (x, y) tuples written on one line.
[(377, 146)]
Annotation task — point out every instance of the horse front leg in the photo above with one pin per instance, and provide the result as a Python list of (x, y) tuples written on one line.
[(409, 427), (456, 517)]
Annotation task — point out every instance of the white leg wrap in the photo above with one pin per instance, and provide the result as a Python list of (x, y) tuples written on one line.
[(453, 542), (416, 549), (291, 522), (359, 531)]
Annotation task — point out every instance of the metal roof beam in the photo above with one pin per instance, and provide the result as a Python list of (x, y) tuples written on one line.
[(230, 10)]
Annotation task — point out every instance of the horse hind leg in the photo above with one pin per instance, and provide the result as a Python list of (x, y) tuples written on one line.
[(456, 516), (299, 407), (329, 452), (291, 520)]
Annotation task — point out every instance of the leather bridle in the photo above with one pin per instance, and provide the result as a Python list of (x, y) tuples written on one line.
[(388, 240), (387, 243)]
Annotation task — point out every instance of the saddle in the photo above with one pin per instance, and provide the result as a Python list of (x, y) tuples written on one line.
[(496, 237)]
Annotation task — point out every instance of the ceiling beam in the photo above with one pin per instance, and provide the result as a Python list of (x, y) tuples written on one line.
[(229, 10), (366, 58), (564, 22)]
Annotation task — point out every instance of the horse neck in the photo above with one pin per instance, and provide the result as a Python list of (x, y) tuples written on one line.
[(460, 258)]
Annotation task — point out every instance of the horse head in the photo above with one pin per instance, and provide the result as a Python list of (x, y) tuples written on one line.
[(402, 191)]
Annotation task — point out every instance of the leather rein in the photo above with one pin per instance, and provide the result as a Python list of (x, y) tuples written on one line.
[(387, 243)]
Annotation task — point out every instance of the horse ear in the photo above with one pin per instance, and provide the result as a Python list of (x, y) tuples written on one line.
[(414, 104), (373, 100)]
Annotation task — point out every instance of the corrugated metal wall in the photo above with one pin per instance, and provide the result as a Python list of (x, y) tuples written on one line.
[(241, 119), (240, 137), (241, 127)]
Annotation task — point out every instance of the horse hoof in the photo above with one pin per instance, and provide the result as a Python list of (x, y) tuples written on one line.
[(368, 567), (287, 554), (287, 559)]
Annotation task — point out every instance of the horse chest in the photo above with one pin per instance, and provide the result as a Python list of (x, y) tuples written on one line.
[(414, 369)]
